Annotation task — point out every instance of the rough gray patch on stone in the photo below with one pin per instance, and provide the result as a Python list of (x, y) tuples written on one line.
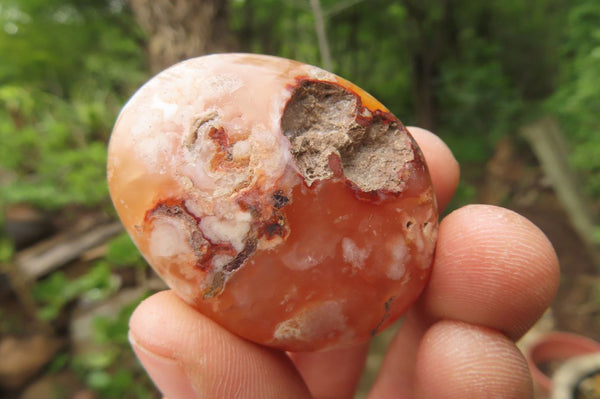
[(321, 119)]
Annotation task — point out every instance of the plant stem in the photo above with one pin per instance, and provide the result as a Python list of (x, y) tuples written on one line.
[(321, 34)]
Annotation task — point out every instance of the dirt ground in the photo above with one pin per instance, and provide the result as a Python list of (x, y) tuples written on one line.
[(576, 307), (513, 179)]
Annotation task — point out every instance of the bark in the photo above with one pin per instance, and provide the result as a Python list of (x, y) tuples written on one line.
[(431, 38), (181, 29), (424, 71)]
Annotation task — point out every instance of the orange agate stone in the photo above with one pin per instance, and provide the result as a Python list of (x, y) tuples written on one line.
[(276, 198)]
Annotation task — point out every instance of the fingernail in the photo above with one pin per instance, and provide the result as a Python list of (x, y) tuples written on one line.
[(168, 375)]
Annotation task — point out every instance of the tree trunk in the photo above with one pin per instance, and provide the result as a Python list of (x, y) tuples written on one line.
[(423, 73), (181, 29), (429, 41)]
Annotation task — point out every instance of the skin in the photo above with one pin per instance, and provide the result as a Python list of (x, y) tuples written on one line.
[(494, 275)]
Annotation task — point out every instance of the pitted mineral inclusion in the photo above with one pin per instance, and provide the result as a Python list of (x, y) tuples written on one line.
[(276, 198)]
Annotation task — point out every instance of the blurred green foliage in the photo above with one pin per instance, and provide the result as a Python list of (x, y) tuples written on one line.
[(98, 283), (488, 64), (110, 370), (57, 290), (123, 252), (576, 100), (66, 69)]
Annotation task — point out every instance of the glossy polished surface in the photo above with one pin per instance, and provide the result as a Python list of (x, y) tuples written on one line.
[(278, 199)]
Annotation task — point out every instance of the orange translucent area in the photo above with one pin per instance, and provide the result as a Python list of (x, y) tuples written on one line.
[(329, 283), (367, 100), (203, 177)]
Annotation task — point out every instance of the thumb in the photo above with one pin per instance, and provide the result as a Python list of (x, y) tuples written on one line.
[(189, 356)]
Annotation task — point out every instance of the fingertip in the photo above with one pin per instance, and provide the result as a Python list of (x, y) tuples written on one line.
[(443, 167), (334, 373), (152, 345), (167, 373), (151, 313), (493, 267), (178, 345), (459, 360)]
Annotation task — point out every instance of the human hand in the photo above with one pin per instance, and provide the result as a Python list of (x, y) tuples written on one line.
[(494, 275)]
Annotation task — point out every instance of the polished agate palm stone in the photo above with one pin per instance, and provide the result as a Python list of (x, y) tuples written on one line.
[(276, 198)]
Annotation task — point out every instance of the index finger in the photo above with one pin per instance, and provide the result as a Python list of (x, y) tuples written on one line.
[(443, 167)]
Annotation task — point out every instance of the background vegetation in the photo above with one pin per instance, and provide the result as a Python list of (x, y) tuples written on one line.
[(474, 72)]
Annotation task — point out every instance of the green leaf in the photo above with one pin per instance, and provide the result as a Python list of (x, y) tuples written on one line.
[(99, 380), (6, 249), (123, 252), (99, 360), (115, 329), (54, 292)]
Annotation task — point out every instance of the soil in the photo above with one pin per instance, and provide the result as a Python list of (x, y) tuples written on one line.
[(514, 179), (576, 307)]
